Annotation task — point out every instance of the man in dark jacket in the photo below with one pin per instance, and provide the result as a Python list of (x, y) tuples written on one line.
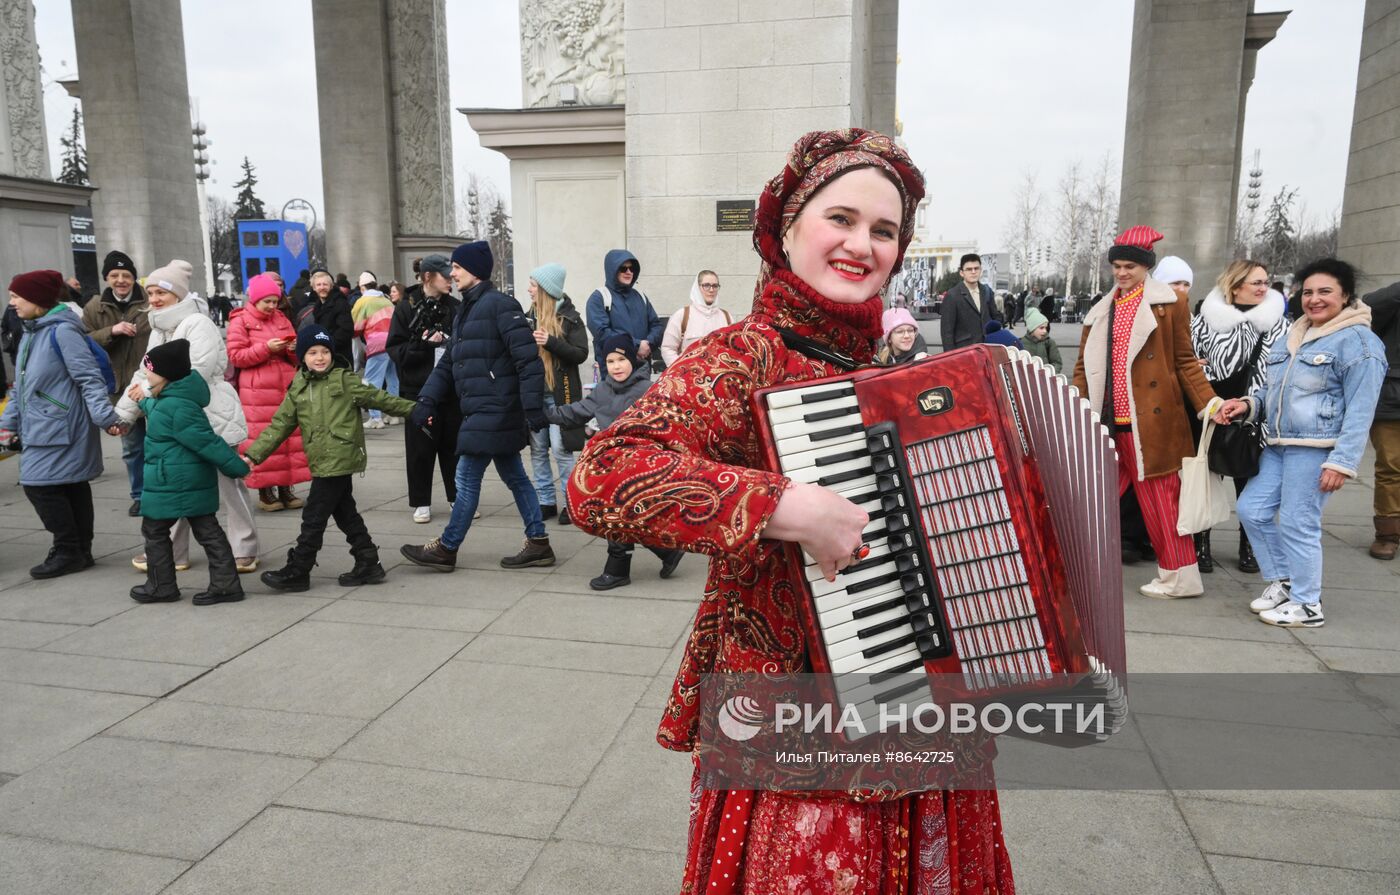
[(967, 307), (418, 334), (327, 307), (1385, 431), (619, 307), (118, 321), (491, 366)]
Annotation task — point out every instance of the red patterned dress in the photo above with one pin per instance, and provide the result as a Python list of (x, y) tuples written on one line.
[(679, 470)]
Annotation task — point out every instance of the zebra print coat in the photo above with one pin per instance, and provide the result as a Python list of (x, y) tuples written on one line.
[(1225, 336)]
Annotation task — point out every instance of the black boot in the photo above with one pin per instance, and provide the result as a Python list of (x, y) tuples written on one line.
[(548, 510), (294, 577), (1203, 557), (1247, 561), (57, 563), (210, 597), (670, 561), (367, 570), (618, 571)]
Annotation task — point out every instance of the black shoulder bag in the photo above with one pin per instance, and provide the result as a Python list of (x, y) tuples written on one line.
[(1235, 449)]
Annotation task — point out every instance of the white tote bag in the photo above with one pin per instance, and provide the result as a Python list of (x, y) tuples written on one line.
[(1205, 498)]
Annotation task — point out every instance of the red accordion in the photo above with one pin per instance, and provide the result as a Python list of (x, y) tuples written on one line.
[(993, 501)]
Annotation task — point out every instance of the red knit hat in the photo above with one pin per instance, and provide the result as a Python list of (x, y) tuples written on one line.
[(1135, 244), (41, 287)]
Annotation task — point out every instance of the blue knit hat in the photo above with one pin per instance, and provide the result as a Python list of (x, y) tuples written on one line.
[(309, 337), (551, 278), (621, 342), (474, 258)]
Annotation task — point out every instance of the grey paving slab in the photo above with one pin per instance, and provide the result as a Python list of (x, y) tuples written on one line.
[(596, 619), (1174, 653), (1250, 831), (1360, 661), (462, 589), (634, 761), (1251, 876), (310, 853), (1223, 613), (189, 634), (459, 801), (82, 599), (37, 723), (399, 615), (352, 670), (231, 727), (548, 653), (538, 724), (1379, 803), (94, 672), (1121, 842), (27, 635), (568, 868), (40, 867), (158, 799)]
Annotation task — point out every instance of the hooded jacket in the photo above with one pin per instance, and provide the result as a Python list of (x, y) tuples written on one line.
[(263, 379), (1321, 387), (59, 403), (189, 319), (698, 320), (605, 403), (184, 455), (1225, 337), (631, 313), (125, 352), (492, 368), (1385, 323), (372, 313)]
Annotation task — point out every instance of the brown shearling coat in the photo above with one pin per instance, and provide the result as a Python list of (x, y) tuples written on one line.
[(1162, 369), (125, 352)]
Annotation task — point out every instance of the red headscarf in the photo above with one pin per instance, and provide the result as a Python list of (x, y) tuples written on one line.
[(816, 159)]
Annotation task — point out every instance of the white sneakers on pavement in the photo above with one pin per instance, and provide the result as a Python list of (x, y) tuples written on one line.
[(1275, 595), (374, 423), (1293, 614), (1174, 584), (422, 515)]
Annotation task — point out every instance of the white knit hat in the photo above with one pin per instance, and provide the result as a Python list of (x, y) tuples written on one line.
[(1172, 269), (174, 277)]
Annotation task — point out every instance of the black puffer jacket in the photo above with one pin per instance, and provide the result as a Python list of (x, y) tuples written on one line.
[(333, 315), (492, 367), (1385, 322), (411, 354), (569, 352)]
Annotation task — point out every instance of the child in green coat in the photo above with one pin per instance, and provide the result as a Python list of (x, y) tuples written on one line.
[(184, 458), (325, 401), (1038, 341)]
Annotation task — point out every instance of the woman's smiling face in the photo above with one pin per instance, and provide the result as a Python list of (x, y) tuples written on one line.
[(844, 241)]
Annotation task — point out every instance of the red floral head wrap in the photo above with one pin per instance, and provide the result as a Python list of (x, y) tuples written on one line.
[(815, 160)]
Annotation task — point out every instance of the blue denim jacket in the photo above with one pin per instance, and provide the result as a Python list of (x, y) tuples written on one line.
[(1321, 385)]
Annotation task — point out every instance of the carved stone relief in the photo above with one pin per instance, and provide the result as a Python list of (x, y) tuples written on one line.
[(571, 43), (24, 145), (422, 117)]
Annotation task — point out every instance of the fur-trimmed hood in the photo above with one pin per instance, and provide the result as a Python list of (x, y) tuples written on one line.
[(1223, 317)]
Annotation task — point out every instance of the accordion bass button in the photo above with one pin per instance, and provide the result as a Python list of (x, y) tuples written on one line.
[(887, 484)]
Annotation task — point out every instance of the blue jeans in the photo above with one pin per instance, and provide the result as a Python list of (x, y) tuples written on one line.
[(541, 445), (1289, 546), (380, 372), (471, 468), (134, 456)]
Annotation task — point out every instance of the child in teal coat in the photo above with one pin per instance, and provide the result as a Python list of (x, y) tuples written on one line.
[(184, 458)]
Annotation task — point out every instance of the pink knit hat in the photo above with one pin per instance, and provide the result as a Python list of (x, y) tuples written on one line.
[(261, 286), (895, 318)]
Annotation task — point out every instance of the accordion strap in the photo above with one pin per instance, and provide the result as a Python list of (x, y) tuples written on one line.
[(817, 351)]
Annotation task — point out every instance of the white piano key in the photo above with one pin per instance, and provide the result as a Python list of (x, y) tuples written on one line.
[(800, 452), (794, 397), (800, 419), (884, 662), (812, 474), (821, 587)]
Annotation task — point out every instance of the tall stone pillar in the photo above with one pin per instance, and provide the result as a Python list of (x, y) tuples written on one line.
[(716, 95), (136, 113), (1192, 64), (386, 138), (1370, 235)]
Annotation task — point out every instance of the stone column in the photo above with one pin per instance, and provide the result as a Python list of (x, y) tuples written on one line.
[(386, 138), (716, 94), (1192, 63), (1370, 235), (23, 142), (136, 113)]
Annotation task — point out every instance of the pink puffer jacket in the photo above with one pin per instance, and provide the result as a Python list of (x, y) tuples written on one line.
[(262, 383)]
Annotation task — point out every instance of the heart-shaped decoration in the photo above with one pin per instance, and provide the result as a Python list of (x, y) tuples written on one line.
[(294, 241)]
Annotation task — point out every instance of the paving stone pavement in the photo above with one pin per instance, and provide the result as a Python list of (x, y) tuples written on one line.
[(492, 731)]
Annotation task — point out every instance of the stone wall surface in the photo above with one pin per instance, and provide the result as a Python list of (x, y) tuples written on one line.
[(23, 144), (136, 116), (1370, 234), (716, 94)]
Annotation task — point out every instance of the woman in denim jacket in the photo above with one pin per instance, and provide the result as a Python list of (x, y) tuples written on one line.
[(1316, 402)]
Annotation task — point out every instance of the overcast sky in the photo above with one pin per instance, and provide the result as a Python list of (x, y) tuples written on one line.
[(986, 90)]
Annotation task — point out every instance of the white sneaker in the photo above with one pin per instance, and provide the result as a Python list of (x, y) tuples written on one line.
[(422, 515), (374, 423), (1275, 595), (1293, 614), (392, 421)]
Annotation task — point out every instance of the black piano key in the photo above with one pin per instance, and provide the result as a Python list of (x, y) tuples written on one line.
[(891, 674), (887, 647), (829, 395), (821, 415), (886, 696), (840, 477), (828, 434), (840, 458), (872, 583), (891, 625), (868, 611)]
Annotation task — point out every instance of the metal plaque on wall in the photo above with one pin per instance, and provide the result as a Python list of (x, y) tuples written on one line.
[(734, 214)]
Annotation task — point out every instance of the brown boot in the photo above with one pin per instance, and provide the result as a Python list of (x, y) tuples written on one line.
[(536, 552), (288, 499), (267, 500), (1387, 537), (431, 555)]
